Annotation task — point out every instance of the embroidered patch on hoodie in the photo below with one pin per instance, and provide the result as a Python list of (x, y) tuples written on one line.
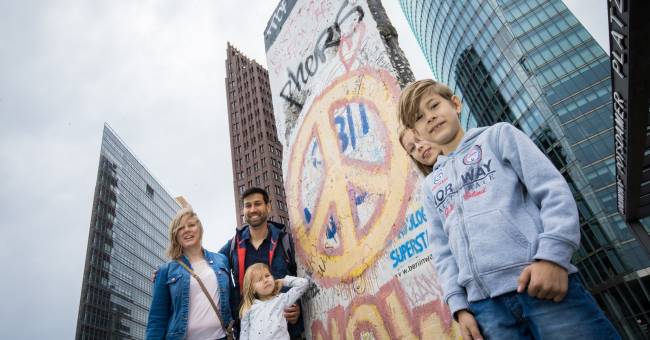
[(473, 156), (477, 174), (438, 179)]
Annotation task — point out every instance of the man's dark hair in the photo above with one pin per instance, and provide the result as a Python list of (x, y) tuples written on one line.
[(256, 190)]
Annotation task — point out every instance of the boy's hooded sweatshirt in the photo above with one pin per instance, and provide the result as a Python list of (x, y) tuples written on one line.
[(496, 204)]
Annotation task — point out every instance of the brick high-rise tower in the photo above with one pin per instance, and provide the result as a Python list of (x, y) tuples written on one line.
[(255, 149)]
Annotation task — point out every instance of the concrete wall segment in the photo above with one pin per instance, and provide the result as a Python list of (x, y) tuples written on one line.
[(336, 72)]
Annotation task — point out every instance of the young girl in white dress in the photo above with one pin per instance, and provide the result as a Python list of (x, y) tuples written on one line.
[(262, 310)]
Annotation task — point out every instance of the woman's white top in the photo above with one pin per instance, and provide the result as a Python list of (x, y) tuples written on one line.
[(265, 319), (203, 322)]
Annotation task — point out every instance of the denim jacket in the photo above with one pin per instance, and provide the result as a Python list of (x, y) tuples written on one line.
[(171, 297)]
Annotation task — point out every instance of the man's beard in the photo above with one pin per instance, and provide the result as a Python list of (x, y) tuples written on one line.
[(261, 220)]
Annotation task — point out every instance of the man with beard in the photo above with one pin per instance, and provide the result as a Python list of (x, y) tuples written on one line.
[(261, 241)]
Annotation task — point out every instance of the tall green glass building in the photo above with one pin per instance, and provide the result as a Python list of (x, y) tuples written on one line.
[(126, 243), (531, 63)]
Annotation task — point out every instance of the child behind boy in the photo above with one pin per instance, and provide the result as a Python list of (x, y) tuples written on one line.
[(262, 310), (422, 152), (503, 222)]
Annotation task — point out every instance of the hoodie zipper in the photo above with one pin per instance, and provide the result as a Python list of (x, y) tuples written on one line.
[(463, 229)]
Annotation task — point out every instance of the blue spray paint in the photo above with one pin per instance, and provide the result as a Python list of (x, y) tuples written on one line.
[(314, 162), (410, 248), (347, 131), (307, 215), (364, 119), (359, 199), (331, 230), (343, 137), (413, 221), (353, 137)]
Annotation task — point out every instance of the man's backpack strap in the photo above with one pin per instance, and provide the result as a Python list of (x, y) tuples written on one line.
[(231, 252), (231, 256), (289, 252)]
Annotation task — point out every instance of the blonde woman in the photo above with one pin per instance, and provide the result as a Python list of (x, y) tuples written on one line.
[(191, 292)]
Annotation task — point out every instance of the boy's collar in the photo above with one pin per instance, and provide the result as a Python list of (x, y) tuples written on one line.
[(467, 140)]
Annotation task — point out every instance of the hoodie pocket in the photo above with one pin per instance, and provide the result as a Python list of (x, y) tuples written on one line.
[(459, 251), (496, 242)]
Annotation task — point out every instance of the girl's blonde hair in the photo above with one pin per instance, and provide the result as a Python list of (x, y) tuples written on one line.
[(253, 274), (175, 250), (424, 169)]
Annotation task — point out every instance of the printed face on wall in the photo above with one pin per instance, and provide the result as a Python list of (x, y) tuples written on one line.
[(437, 120)]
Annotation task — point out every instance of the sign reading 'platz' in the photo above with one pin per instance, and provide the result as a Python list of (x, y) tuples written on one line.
[(628, 37)]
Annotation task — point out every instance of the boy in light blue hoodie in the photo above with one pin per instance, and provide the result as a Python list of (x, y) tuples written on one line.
[(504, 226)]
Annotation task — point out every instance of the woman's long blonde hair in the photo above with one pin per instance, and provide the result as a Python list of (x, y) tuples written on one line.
[(175, 250), (253, 274)]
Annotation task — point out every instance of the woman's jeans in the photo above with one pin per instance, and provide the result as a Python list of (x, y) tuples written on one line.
[(521, 316)]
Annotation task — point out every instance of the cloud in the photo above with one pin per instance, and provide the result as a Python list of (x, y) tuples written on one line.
[(593, 16)]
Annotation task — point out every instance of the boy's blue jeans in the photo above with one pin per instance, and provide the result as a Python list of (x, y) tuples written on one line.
[(521, 316)]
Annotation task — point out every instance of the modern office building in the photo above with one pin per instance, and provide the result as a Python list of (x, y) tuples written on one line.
[(255, 149), (126, 243), (530, 62)]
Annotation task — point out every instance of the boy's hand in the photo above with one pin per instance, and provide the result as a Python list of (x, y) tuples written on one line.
[(468, 325), (292, 313), (279, 283), (545, 280)]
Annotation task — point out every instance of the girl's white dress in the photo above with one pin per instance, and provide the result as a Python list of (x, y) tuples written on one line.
[(265, 319)]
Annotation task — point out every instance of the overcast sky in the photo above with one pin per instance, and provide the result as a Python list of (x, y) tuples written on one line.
[(154, 70)]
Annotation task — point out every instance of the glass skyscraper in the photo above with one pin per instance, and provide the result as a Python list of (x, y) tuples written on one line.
[(531, 63), (126, 243)]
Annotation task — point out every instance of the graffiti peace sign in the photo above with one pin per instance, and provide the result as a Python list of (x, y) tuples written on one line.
[(347, 179)]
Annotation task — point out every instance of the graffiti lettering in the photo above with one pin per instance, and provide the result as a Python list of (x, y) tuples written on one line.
[(410, 248), (422, 286), (414, 265), (330, 37), (350, 137), (386, 315), (277, 20), (277, 17), (413, 220)]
